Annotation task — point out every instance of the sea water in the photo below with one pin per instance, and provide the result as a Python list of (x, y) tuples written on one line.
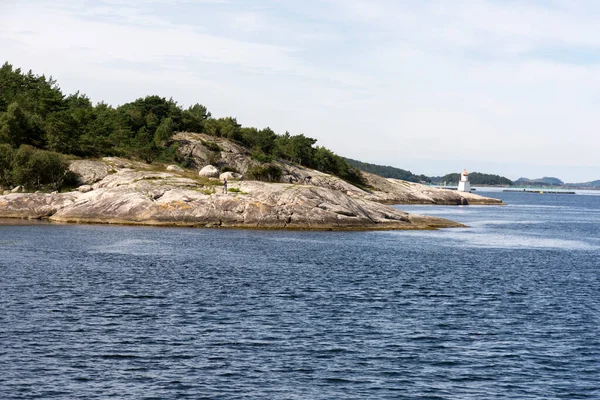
[(506, 308)]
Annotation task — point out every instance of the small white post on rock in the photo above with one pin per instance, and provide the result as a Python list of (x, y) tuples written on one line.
[(463, 184)]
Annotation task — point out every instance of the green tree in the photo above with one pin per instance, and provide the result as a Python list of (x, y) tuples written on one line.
[(144, 145), (6, 158), (263, 140), (224, 127), (164, 132), (386, 171), (62, 132), (325, 160), (297, 148), (35, 168), (265, 172), (149, 111), (36, 94), (13, 126), (194, 118)]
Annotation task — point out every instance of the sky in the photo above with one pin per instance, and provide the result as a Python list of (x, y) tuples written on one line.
[(497, 86)]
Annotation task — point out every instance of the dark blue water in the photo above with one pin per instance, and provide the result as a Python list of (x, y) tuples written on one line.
[(508, 308)]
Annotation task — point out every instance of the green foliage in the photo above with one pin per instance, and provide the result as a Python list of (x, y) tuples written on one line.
[(194, 118), (62, 132), (235, 190), (297, 148), (265, 172), (149, 112), (34, 111), (259, 156), (327, 161), (259, 140), (13, 125), (34, 169), (387, 171), (164, 132), (6, 158), (227, 128), (35, 94), (212, 146)]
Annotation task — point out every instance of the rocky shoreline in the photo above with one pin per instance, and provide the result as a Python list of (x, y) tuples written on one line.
[(120, 191), (167, 199)]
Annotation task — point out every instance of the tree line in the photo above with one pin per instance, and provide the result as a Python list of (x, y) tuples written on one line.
[(35, 112), (476, 178), (387, 171)]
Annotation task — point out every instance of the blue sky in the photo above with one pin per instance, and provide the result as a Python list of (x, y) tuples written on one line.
[(505, 87)]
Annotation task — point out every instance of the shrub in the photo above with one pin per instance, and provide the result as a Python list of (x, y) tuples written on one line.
[(33, 169), (266, 172), (259, 156)]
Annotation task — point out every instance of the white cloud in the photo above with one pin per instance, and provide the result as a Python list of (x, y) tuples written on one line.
[(468, 80)]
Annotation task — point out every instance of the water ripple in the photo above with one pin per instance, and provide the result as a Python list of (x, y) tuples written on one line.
[(499, 310)]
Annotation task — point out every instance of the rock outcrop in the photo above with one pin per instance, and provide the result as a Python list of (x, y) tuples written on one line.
[(148, 197), (88, 171), (379, 189), (120, 191), (396, 191)]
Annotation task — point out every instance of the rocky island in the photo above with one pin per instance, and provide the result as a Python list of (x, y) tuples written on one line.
[(152, 162), (121, 191)]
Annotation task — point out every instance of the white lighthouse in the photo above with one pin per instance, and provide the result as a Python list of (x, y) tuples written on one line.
[(463, 184)]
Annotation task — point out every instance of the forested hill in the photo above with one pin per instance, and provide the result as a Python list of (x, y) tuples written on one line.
[(545, 181), (476, 178), (387, 172), (39, 125), (593, 184)]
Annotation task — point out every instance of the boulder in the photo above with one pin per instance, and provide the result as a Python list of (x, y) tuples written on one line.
[(89, 171), (84, 188), (230, 176), (174, 168), (18, 189), (210, 171)]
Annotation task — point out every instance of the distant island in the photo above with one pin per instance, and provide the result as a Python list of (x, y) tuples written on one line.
[(152, 162), (551, 182), (476, 178)]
